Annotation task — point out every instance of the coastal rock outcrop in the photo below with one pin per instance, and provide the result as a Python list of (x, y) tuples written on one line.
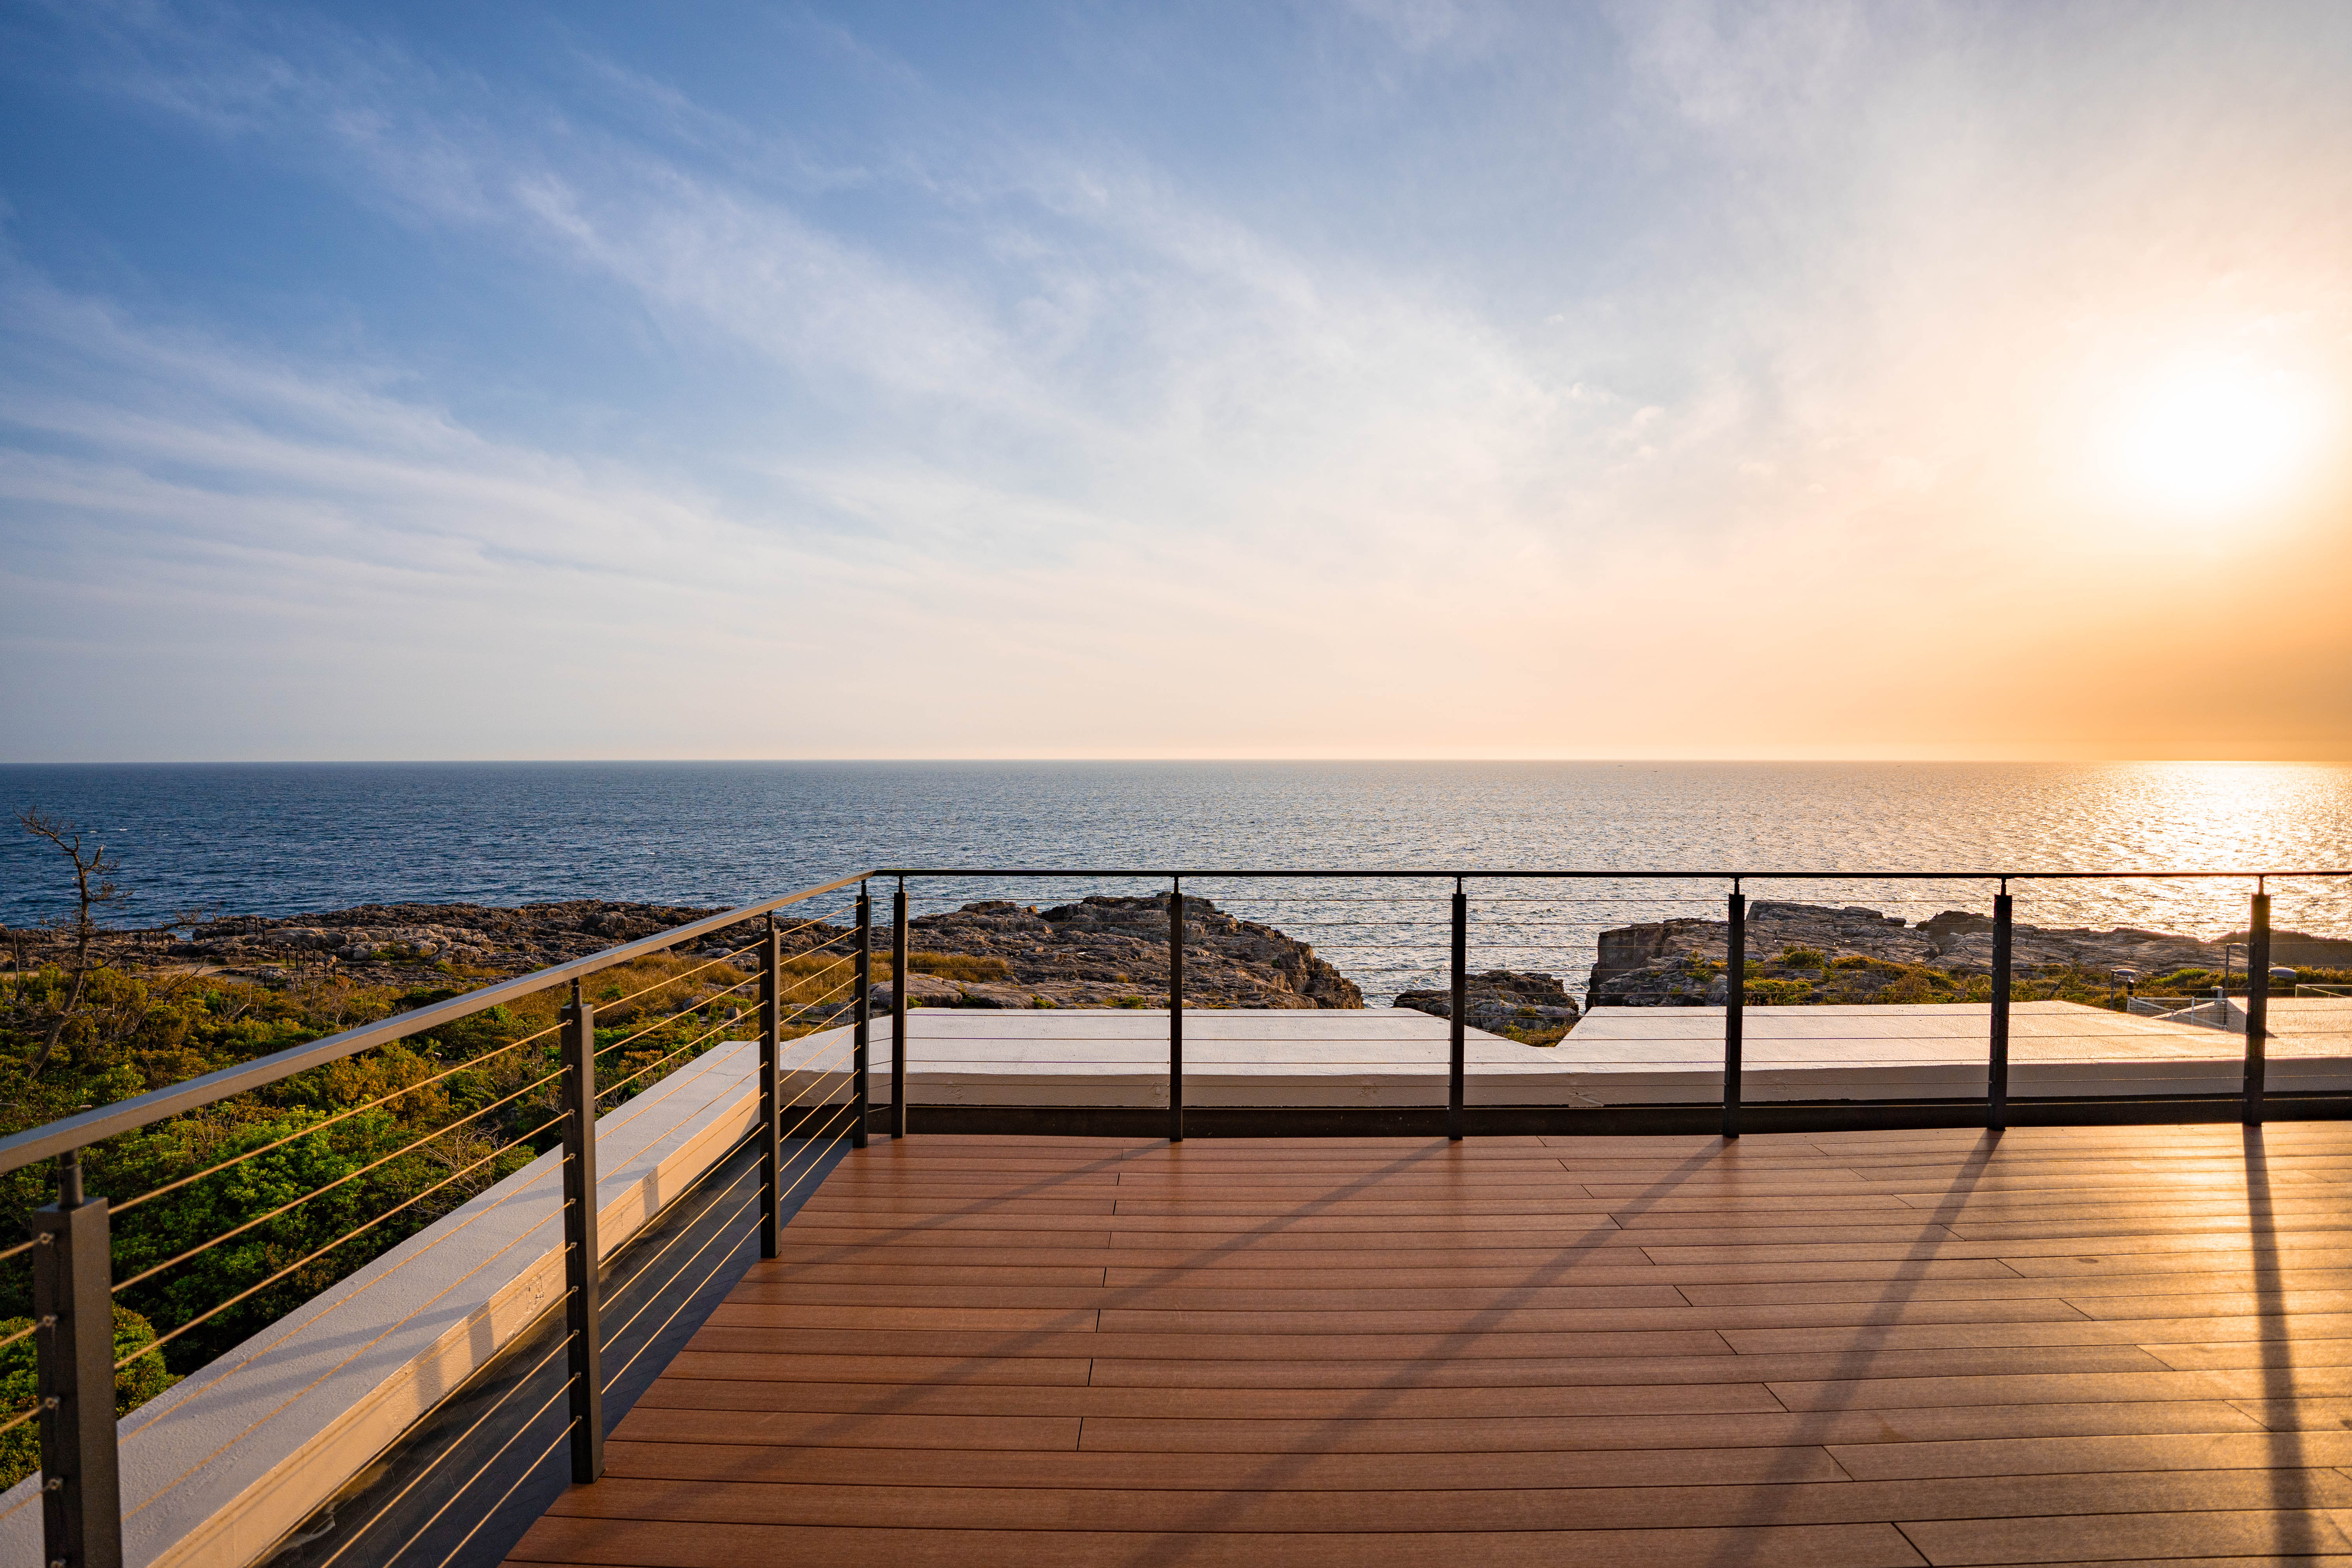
[(1860, 954), (1110, 951), (1098, 952), (1527, 1006)]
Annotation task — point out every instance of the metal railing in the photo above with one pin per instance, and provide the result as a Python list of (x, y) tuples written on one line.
[(72, 1249), (1997, 1089), (71, 1246)]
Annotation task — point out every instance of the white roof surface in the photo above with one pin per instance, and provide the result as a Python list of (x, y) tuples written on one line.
[(1615, 1056)]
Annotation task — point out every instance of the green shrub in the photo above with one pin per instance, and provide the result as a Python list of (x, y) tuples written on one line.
[(134, 1386), (961, 966)]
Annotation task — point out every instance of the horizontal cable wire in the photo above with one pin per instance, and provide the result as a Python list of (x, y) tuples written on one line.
[(686, 1300), (829, 1109), (782, 984), (830, 994), (787, 1022), (824, 1109), (848, 914), (162, 1340), (339, 1180), (20, 1247), (834, 1052), (694, 1007), (1345, 945), (418, 1533), (679, 978), (814, 1108), (615, 1287), (563, 1343), (544, 1453), (812, 1168), (810, 979), (654, 1299), (19, 1419), (21, 1334), (604, 1090), (339, 1116)]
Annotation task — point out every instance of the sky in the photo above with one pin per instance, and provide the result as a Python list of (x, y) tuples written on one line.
[(1405, 378)]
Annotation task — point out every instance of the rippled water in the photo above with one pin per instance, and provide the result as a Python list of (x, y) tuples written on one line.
[(285, 838)]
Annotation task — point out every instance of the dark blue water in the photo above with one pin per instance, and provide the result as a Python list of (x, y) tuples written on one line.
[(285, 838)]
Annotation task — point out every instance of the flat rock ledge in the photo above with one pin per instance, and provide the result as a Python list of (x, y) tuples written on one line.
[(1527, 1006)]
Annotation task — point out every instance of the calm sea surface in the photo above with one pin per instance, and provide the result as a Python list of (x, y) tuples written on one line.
[(286, 838)]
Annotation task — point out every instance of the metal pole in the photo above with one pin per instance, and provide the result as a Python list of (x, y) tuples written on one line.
[(862, 1027), (2258, 1005), (1735, 1007), (1455, 1008), (772, 964), (1997, 1071), (73, 1302), (1176, 1011), (898, 1013), (580, 1249)]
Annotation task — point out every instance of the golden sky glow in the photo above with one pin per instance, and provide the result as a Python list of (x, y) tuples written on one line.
[(2217, 441), (1391, 379)]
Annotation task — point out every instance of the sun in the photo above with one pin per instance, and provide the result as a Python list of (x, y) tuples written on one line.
[(2216, 439)]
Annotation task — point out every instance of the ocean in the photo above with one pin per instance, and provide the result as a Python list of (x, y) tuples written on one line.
[(286, 838)]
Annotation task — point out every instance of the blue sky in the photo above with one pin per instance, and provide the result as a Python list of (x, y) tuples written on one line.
[(1374, 379)]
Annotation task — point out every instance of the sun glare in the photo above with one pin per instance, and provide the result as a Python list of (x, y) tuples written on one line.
[(2217, 440)]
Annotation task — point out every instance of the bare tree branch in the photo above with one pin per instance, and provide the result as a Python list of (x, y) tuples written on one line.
[(94, 891)]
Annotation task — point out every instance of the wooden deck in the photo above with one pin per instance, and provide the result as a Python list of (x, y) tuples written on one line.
[(2094, 1345)]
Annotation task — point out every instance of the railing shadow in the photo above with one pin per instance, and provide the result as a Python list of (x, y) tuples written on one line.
[(1816, 1428), (2288, 1447)]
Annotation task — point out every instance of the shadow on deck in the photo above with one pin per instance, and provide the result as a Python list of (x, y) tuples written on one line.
[(2056, 1345)]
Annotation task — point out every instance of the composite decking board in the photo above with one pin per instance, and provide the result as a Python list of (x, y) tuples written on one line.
[(565, 1542), (1062, 1471), (1514, 1507), (1128, 1388), (1224, 1346), (1371, 1297), (2067, 1344), (1371, 1400)]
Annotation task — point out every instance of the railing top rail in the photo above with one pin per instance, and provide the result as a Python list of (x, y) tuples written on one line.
[(70, 1132), (1403, 872)]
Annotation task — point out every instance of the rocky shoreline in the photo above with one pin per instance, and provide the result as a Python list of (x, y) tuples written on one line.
[(1108, 951), (1098, 952)]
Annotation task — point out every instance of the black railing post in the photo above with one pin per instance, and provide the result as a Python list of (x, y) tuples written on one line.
[(580, 1262), (1458, 1006), (772, 964), (864, 1018), (73, 1303), (1997, 1066), (898, 1013), (2258, 1004), (1735, 1007), (1176, 1011)]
